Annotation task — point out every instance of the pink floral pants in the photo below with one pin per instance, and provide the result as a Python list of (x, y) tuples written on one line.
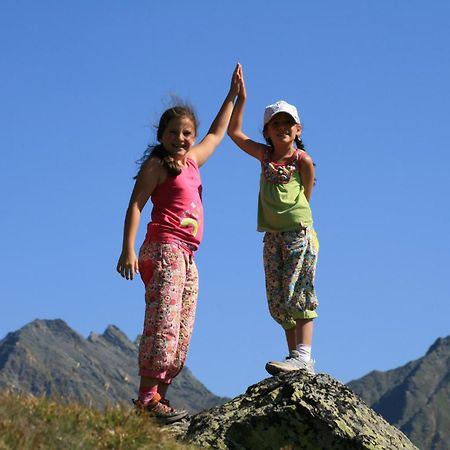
[(171, 289)]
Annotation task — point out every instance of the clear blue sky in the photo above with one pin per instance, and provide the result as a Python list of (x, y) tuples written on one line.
[(82, 85)]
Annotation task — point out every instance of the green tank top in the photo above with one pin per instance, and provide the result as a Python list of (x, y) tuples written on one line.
[(282, 204)]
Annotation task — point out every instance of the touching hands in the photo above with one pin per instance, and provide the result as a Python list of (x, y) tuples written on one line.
[(235, 81), (237, 87), (241, 85), (128, 265)]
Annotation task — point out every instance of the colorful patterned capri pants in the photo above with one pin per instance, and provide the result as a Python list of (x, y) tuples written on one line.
[(171, 289), (290, 259)]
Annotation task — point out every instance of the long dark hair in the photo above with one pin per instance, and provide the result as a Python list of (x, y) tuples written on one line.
[(157, 150)]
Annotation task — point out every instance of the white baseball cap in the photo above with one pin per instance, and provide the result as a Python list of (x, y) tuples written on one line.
[(278, 107)]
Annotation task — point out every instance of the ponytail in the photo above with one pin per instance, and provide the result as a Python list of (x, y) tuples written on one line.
[(300, 146), (299, 143), (165, 158)]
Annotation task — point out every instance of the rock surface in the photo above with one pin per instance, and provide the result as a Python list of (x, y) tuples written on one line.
[(293, 411)]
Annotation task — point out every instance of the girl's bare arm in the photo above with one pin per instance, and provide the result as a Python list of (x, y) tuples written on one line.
[(307, 174), (151, 174), (201, 152), (235, 132)]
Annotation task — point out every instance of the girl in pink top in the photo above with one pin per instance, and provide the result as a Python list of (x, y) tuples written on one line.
[(169, 175)]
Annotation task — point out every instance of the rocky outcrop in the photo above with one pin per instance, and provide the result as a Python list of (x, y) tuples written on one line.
[(293, 411)]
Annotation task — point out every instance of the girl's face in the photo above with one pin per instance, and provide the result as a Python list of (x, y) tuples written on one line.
[(282, 128), (178, 136)]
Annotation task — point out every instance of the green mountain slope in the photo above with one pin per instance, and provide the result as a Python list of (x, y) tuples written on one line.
[(415, 397)]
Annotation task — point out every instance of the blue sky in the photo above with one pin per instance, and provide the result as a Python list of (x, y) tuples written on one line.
[(84, 83)]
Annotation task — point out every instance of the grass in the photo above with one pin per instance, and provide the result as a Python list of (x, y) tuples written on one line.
[(30, 423)]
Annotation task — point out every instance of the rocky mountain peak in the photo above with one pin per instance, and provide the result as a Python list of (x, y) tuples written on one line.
[(440, 345), (43, 329), (117, 337), (415, 397), (113, 338), (47, 357)]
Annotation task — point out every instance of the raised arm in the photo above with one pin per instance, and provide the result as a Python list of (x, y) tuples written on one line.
[(235, 132), (201, 152), (148, 178)]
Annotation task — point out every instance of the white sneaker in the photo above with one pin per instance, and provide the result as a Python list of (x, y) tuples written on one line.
[(292, 362)]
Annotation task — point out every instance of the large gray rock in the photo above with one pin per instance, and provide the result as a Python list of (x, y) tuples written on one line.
[(295, 411)]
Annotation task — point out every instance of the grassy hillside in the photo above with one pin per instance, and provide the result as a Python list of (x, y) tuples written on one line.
[(47, 357), (29, 423)]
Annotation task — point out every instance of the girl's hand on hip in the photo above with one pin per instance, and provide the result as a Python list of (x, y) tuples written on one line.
[(128, 265)]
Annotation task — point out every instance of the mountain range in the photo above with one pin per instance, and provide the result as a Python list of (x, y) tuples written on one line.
[(415, 397), (47, 357)]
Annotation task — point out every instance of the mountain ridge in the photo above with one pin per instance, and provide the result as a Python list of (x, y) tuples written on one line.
[(47, 357), (414, 397)]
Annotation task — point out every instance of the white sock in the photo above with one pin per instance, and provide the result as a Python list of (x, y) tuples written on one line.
[(305, 352)]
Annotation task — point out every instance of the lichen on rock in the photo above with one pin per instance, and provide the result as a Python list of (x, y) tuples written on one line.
[(296, 411)]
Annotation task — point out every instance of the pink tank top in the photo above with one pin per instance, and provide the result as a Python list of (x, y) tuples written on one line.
[(177, 214)]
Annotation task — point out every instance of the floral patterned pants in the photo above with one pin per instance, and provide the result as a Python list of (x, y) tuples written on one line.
[(171, 289), (290, 259)]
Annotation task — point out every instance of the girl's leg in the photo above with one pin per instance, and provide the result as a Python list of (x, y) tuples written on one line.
[(299, 341), (148, 387), (162, 388), (300, 262), (291, 338), (306, 296), (187, 317), (164, 288), (301, 334), (160, 271), (304, 331), (298, 297), (273, 269)]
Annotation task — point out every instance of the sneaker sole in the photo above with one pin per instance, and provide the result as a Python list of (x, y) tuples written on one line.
[(172, 419), (276, 370), (164, 420)]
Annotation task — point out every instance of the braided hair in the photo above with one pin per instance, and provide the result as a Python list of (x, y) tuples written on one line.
[(299, 143)]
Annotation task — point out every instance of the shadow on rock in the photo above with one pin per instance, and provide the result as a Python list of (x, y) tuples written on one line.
[(296, 411)]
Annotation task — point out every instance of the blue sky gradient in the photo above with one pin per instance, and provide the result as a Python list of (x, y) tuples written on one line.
[(84, 83)]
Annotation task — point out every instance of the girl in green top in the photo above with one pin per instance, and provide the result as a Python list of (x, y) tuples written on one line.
[(290, 242)]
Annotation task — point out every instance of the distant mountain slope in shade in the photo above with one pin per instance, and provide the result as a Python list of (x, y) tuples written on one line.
[(47, 357), (415, 397)]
